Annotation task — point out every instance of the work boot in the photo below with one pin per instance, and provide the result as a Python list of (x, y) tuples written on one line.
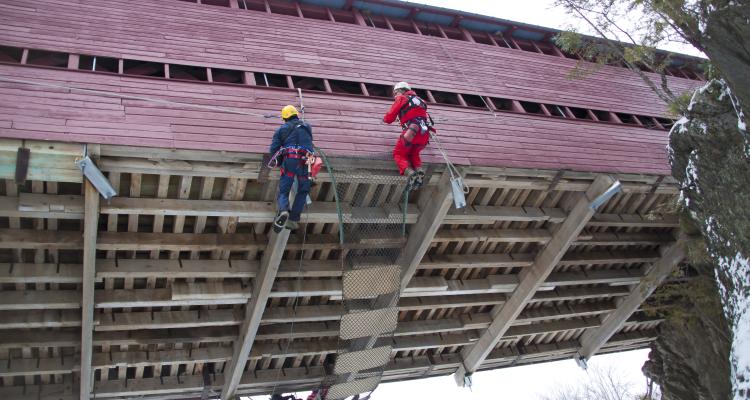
[(412, 177), (280, 221), (291, 225), (419, 179)]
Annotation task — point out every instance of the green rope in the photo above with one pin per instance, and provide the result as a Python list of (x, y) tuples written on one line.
[(323, 156), (407, 189)]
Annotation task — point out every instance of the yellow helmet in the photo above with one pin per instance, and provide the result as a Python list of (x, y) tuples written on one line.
[(288, 111)]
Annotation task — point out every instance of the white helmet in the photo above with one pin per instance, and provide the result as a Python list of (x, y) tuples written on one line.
[(401, 86)]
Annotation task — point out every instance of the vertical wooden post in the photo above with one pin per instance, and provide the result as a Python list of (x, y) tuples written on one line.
[(430, 97), (249, 78), (73, 61), (492, 39), (467, 35), (388, 22), (359, 17), (363, 87), (461, 100), (416, 28), (90, 228)]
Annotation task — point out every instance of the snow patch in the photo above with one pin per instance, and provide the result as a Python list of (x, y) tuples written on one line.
[(738, 308), (726, 91)]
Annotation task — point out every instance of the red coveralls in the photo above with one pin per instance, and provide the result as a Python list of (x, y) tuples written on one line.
[(409, 144)]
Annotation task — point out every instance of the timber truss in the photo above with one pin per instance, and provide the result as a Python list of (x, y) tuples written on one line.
[(178, 288)]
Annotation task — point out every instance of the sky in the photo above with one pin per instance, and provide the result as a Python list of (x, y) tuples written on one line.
[(536, 12), (531, 381), (528, 382)]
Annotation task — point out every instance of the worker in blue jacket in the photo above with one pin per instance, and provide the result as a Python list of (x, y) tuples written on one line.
[(292, 145)]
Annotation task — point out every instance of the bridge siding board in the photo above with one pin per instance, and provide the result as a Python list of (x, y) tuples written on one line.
[(519, 141)]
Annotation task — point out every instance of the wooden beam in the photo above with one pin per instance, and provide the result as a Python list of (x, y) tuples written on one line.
[(543, 236), (71, 207), (248, 170), (146, 241), (531, 279), (248, 269), (133, 321), (452, 291), (435, 207), (414, 335), (262, 285), (90, 228), (260, 382), (593, 339)]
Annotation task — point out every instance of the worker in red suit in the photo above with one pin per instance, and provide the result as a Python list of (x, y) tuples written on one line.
[(411, 112)]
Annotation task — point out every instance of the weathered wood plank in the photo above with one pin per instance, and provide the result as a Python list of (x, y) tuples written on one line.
[(262, 286), (531, 279), (90, 228), (593, 339)]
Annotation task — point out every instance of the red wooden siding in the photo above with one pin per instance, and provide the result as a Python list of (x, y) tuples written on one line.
[(173, 31), (512, 140)]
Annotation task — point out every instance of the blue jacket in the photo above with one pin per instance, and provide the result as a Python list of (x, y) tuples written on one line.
[(287, 136)]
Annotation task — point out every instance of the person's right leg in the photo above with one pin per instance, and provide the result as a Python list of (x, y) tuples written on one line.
[(300, 198), (285, 186), (416, 160), (401, 156)]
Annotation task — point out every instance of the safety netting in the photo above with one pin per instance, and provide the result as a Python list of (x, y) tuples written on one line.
[(373, 208)]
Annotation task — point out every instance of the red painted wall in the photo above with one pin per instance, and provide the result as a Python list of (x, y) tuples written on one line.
[(186, 33)]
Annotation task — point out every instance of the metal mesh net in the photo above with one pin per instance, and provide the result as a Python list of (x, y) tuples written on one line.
[(373, 208)]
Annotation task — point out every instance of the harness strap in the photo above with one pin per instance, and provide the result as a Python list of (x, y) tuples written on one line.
[(413, 102)]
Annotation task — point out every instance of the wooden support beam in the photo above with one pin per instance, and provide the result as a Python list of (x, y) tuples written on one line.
[(531, 279), (90, 228), (414, 335), (71, 207), (255, 383), (593, 339), (262, 285), (146, 241), (133, 321), (543, 236), (452, 293), (421, 234), (248, 269)]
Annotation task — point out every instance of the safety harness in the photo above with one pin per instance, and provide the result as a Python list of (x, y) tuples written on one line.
[(418, 125), (292, 152)]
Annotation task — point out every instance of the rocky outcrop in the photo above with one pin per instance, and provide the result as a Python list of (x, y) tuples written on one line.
[(690, 359), (710, 156)]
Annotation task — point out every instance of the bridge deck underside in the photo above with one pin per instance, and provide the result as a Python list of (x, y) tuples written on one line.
[(178, 251)]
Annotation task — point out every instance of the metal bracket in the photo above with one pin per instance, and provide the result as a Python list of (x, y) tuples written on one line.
[(581, 361), (22, 165), (468, 380), (95, 176)]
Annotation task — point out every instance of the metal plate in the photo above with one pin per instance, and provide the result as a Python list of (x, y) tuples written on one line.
[(341, 391), (368, 323), (362, 360), (371, 282)]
